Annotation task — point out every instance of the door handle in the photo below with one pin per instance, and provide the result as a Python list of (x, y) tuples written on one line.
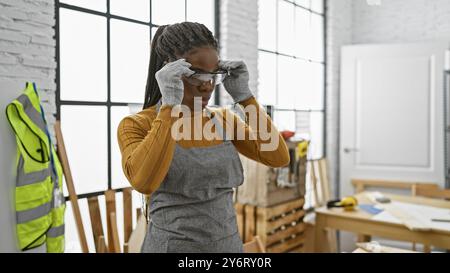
[(349, 150)]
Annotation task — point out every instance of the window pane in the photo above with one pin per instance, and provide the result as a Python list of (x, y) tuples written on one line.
[(302, 33), (303, 96), (99, 5), (137, 9), (303, 3), (317, 6), (285, 120), (83, 56), (317, 28), (302, 125), (71, 239), (317, 136), (86, 147), (130, 54), (287, 82), (201, 11), (118, 178), (267, 24), (168, 11), (267, 84), (318, 85), (285, 27), (311, 83)]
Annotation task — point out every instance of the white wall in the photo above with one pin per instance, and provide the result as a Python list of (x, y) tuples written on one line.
[(339, 33), (239, 37), (355, 22), (27, 53), (401, 21)]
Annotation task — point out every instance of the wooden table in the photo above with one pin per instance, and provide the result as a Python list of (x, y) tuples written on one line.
[(360, 222)]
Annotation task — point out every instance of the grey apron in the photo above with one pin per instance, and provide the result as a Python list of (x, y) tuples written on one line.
[(192, 210)]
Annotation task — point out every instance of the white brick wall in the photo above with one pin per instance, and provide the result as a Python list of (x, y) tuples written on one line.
[(27, 48), (401, 21), (239, 37), (339, 33)]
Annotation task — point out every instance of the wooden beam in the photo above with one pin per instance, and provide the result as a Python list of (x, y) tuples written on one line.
[(284, 208), (114, 242), (127, 214), (62, 155), (250, 222), (96, 222), (102, 245), (137, 236), (110, 197)]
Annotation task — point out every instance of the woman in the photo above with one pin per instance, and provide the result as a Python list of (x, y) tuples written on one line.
[(191, 180)]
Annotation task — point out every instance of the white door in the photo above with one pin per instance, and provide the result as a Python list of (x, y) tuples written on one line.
[(392, 113)]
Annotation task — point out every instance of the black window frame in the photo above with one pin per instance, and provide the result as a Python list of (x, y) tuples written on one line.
[(109, 104), (324, 62)]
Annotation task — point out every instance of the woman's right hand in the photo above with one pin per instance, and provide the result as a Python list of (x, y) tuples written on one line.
[(170, 82)]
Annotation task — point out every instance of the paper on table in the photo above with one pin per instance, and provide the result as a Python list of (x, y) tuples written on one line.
[(421, 212)]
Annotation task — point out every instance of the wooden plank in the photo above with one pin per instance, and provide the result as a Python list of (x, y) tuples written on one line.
[(127, 213), (110, 197), (283, 234), (432, 192), (114, 234), (137, 236), (254, 246), (325, 183), (283, 208), (287, 245), (261, 224), (407, 219), (299, 249), (285, 220), (101, 244), (250, 222), (372, 248), (138, 214), (363, 183), (96, 221), (318, 202), (62, 155)]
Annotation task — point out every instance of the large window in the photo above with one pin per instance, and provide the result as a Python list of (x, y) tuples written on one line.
[(103, 54), (292, 67)]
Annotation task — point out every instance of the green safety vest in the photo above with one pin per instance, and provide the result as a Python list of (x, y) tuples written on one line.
[(39, 198)]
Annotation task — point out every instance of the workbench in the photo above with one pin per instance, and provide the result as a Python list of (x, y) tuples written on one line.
[(361, 222)]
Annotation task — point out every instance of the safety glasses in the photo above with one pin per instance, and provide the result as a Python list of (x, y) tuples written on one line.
[(215, 78)]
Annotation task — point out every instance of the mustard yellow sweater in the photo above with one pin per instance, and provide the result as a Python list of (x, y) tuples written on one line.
[(147, 146)]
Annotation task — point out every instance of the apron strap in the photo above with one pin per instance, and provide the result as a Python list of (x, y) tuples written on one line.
[(158, 106)]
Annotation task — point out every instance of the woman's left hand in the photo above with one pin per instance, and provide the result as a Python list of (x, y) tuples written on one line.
[(236, 83)]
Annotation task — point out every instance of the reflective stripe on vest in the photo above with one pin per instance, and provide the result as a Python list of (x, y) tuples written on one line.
[(24, 179), (40, 203), (34, 213), (31, 112), (56, 231)]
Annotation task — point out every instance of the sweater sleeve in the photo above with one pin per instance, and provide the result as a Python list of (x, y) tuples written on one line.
[(270, 151), (147, 148)]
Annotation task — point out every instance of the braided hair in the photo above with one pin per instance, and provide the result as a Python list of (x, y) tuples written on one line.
[(169, 41)]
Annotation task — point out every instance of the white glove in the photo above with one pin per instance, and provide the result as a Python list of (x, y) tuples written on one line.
[(170, 82), (236, 83)]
